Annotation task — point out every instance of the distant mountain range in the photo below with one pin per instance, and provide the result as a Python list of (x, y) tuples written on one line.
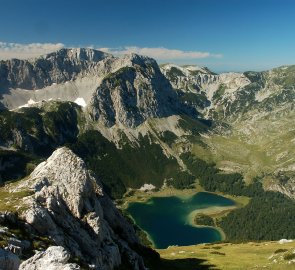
[(132, 95)]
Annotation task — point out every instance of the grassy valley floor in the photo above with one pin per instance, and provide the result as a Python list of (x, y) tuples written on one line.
[(229, 256), (223, 255)]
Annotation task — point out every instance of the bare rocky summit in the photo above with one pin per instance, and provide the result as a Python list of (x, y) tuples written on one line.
[(70, 207)]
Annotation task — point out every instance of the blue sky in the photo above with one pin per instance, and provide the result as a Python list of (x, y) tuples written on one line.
[(225, 35)]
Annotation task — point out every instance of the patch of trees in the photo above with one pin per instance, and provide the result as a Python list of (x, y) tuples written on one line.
[(204, 220), (213, 179), (269, 216), (168, 137), (41, 130), (181, 180), (16, 165), (131, 165)]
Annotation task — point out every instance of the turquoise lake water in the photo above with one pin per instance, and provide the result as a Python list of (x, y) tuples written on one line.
[(165, 219)]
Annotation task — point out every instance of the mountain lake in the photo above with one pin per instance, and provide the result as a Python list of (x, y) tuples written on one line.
[(169, 220)]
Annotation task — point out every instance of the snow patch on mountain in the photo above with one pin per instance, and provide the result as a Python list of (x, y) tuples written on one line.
[(147, 187), (30, 102), (80, 101)]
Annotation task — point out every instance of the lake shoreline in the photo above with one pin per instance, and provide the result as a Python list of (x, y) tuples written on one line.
[(141, 196), (210, 211), (140, 201)]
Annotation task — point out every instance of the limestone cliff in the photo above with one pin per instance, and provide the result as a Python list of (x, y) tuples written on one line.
[(57, 67), (134, 93), (70, 207)]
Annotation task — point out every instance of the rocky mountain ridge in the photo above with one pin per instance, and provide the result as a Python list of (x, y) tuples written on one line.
[(203, 89), (129, 97), (57, 67), (69, 207), (80, 74), (134, 94), (126, 90), (234, 95)]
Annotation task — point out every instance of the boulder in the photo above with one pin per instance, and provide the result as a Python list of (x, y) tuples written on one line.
[(54, 258)]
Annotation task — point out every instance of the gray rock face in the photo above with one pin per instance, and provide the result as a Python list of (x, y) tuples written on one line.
[(70, 207), (189, 78), (17, 246), (61, 66), (125, 90), (207, 91), (287, 189), (134, 93), (54, 258), (67, 74), (8, 260), (234, 96)]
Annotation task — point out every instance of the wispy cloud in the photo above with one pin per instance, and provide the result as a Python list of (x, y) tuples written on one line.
[(161, 53), (25, 51)]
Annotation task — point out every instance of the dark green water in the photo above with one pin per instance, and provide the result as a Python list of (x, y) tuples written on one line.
[(165, 219)]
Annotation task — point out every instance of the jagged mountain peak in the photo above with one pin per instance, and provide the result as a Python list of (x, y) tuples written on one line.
[(69, 206), (139, 59), (134, 60), (78, 54), (133, 93), (52, 172)]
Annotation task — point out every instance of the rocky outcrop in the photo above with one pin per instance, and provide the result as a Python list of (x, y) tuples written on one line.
[(193, 79), (70, 207), (196, 79), (287, 189), (204, 89), (233, 96), (54, 258)]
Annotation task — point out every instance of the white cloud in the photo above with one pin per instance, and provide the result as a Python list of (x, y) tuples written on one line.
[(25, 51), (161, 53)]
